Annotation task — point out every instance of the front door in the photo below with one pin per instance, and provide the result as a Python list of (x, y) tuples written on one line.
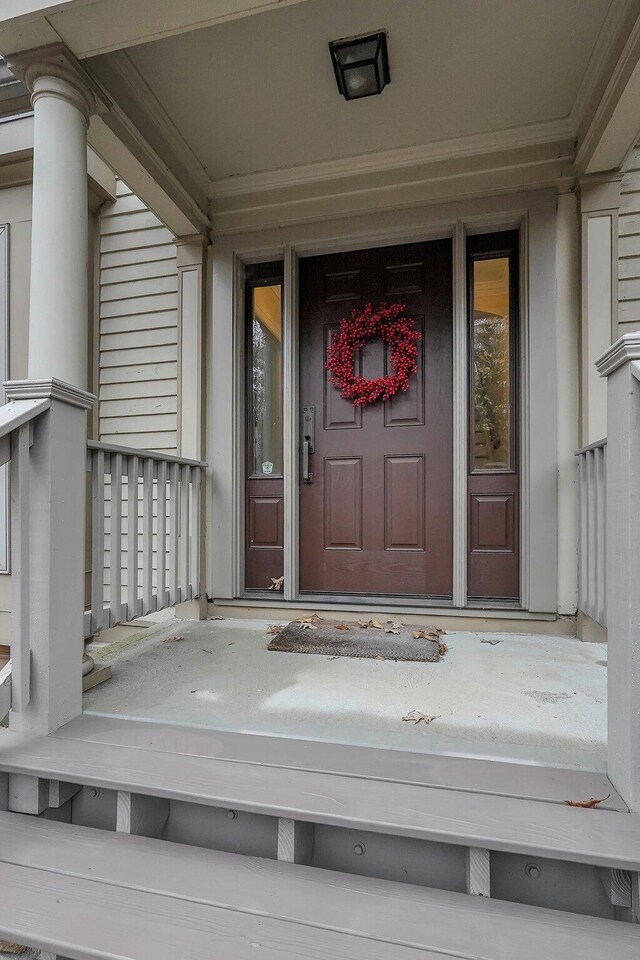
[(376, 517)]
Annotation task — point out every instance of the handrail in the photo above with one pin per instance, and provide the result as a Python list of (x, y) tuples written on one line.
[(143, 454), (15, 413)]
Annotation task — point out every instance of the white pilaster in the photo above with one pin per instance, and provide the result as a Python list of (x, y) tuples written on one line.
[(190, 261), (568, 363), (620, 365), (599, 204)]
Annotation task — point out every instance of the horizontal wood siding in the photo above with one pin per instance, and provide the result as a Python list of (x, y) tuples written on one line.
[(138, 389), (629, 246)]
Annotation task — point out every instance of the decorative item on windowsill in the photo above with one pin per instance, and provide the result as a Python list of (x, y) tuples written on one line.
[(385, 322)]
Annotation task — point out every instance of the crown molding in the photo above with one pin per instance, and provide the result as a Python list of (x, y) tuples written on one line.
[(384, 161), (624, 350), (51, 389)]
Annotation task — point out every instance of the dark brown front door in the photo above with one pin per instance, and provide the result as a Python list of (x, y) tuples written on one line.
[(377, 516)]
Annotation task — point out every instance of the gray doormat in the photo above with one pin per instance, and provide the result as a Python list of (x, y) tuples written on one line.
[(324, 638)]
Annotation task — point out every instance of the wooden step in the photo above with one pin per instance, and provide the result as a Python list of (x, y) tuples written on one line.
[(94, 895), (461, 816)]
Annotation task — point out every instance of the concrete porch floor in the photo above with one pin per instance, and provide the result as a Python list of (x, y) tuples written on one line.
[(528, 698)]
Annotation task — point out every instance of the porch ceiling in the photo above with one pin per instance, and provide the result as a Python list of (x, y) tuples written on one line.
[(258, 94)]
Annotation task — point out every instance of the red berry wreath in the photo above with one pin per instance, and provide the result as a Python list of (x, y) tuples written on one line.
[(387, 323)]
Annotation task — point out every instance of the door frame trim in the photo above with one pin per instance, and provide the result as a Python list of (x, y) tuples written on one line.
[(525, 211)]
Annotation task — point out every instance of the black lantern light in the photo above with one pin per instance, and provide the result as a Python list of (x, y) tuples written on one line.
[(361, 65)]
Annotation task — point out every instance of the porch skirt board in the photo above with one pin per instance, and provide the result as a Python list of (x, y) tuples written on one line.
[(363, 642)]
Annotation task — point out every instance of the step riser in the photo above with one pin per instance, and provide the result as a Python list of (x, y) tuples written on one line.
[(527, 878)]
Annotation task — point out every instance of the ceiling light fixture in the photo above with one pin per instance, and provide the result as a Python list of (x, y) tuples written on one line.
[(361, 65)]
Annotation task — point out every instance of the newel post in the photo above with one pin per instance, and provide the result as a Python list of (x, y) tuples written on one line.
[(51, 495), (621, 366)]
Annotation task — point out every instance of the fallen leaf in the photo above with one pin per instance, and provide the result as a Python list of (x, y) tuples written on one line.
[(428, 634), (587, 804), (172, 639), (381, 657), (491, 640), (414, 716), (392, 627), (312, 619), (442, 649), (305, 625), (375, 624), (277, 583), (342, 626), (275, 627), (363, 624)]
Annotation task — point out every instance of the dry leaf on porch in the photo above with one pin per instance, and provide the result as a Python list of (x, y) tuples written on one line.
[(342, 626), (172, 639), (305, 625), (414, 716), (381, 657), (277, 583), (442, 649), (587, 804), (392, 627), (7, 947), (275, 627), (491, 640), (363, 624), (428, 634), (312, 619)]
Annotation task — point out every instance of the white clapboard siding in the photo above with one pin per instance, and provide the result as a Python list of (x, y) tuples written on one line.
[(629, 246), (138, 395)]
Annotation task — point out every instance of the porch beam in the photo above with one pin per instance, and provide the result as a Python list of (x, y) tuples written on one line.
[(613, 126), (93, 27)]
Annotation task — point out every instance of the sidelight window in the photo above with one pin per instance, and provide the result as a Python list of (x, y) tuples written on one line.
[(492, 414), (265, 376)]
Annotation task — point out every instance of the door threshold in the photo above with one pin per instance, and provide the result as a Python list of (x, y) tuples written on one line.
[(477, 617)]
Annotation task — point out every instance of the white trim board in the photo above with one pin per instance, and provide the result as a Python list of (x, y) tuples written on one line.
[(535, 213)]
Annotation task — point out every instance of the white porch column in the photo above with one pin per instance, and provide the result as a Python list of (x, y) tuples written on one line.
[(57, 366), (58, 322), (599, 204), (623, 564)]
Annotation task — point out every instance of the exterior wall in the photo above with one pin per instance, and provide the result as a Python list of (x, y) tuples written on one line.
[(138, 327)]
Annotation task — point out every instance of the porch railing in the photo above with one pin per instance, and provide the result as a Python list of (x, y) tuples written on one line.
[(593, 530), (145, 533), (16, 437)]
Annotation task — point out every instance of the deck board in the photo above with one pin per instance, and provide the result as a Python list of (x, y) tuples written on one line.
[(101, 895), (599, 837), (523, 780)]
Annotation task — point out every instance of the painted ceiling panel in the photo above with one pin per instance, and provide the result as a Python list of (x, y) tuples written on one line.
[(259, 94)]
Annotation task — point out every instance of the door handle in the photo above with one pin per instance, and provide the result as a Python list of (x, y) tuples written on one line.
[(307, 476), (308, 440)]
